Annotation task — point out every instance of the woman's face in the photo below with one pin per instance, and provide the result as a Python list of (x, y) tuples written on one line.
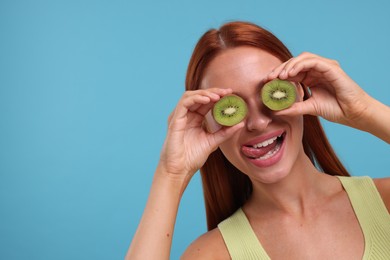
[(268, 147)]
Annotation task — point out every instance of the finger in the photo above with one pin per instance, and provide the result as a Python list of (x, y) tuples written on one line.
[(170, 117), (205, 113), (210, 124), (182, 108), (224, 134), (290, 68), (309, 64), (213, 93), (194, 100), (203, 109), (276, 71), (282, 69), (299, 108)]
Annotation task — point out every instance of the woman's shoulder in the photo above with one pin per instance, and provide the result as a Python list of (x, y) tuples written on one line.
[(383, 187), (208, 246)]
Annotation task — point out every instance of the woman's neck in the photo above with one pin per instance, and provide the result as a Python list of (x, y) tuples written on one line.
[(298, 192)]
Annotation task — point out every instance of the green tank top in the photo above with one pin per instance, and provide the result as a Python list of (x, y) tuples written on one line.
[(371, 212)]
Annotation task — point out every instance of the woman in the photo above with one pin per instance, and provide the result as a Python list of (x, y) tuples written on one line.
[(282, 201)]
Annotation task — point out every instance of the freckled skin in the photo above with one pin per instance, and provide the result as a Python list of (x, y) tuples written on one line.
[(296, 210)]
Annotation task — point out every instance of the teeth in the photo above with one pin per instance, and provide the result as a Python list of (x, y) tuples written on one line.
[(266, 142), (270, 153)]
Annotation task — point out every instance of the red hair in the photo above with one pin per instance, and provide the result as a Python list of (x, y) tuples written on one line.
[(225, 187)]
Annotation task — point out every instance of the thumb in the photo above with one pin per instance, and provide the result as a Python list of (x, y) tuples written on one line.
[(299, 108), (225, 133)]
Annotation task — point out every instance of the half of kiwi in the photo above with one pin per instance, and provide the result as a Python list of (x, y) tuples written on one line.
[(230, 110), (278, 94)]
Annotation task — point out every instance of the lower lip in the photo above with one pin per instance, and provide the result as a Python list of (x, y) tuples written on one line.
[(272, 160)]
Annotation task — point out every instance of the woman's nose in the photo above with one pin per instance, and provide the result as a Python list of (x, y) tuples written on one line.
[(258, 118)]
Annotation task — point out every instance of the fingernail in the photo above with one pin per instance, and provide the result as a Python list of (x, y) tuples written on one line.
[(215, 96)]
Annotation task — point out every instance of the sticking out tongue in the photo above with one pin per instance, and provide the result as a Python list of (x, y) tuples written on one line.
[(252, 152)]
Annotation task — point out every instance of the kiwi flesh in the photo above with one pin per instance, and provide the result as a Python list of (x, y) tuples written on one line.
[(230, 110), (278, 94)]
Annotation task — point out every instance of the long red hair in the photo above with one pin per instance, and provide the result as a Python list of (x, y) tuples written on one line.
[(225, 187)]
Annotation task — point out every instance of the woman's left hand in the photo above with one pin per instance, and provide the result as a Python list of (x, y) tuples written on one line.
[(334, 95)]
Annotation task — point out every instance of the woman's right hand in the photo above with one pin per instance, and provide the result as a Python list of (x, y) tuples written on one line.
[(186, 148), (334, 95), (188, 145)]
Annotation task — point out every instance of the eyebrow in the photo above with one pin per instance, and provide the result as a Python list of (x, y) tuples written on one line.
[(259, 86)]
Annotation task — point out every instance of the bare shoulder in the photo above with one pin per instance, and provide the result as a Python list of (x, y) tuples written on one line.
[(208, 246), (383, 186)]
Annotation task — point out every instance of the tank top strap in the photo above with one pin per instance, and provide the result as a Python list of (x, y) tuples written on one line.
[(371, 213), (240, 239)]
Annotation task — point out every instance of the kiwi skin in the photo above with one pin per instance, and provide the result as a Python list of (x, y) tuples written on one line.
[(230, 110), (278, 94)]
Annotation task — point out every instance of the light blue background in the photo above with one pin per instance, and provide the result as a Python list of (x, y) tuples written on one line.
[(85, 91)]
